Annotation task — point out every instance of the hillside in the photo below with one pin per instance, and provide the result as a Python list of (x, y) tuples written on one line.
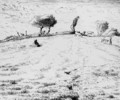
[(65, 66)]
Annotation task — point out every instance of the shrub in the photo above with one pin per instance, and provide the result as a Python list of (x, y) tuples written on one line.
[(102, 26)]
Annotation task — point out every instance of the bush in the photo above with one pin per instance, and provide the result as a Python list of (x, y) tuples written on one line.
[(102, 26), (44, 21), (112, 32)]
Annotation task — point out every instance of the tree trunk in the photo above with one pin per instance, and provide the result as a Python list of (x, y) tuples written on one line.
[(48, 31), (111, 40), (41, 30)]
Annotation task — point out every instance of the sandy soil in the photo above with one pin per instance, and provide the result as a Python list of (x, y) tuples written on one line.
[(65, 67)]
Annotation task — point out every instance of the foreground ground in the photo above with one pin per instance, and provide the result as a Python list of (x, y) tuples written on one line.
[(65, 67)]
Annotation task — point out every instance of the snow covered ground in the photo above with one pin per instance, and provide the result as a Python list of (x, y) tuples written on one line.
[(65, 67), (16, 16), (89, 67)]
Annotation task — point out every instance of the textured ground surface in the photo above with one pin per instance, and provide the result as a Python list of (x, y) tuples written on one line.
[(65, 66)]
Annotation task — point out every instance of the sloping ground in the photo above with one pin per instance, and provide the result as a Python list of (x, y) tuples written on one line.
[(65, 67)]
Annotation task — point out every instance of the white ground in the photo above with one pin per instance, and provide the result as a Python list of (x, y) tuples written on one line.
[(90, 67), (16, 16)]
